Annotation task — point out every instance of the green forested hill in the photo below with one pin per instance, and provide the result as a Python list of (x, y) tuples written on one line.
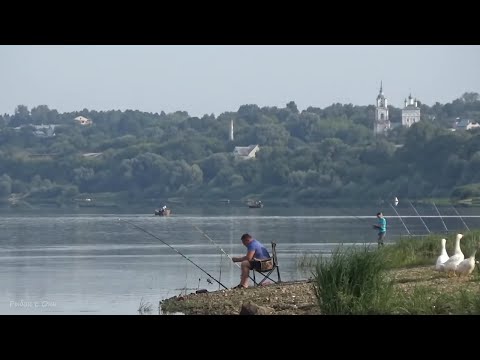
[(309, 156)]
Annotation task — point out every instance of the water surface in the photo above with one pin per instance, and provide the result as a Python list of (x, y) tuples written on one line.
[(94, 263)]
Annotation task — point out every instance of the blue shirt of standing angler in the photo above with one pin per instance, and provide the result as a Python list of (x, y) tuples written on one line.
[(382, 222), (260, 251)]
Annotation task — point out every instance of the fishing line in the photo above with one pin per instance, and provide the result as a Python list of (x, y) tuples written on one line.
[(408, 231), (419, 216), (464, 223), (218, 247), (441, 218), (220, 277), (171, 247)]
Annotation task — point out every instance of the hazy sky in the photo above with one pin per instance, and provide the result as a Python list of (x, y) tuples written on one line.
[(216, 78)]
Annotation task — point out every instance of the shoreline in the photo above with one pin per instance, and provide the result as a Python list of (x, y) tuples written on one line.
[(298, 297), (285, 298)]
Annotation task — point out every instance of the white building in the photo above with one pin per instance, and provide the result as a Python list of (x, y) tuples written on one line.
[(245, 152), (44, 130), (40, 130), (83, 120), (466, 124), (411, 112), (382, 122)]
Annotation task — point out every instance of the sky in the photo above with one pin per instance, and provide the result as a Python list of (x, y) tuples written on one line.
[(206, 79)]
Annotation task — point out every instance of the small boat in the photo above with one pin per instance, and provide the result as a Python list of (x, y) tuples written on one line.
[(256, 205), (162, 212)]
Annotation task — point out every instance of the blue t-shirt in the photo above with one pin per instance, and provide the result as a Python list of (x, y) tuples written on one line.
[(382, 222), (260, 251)]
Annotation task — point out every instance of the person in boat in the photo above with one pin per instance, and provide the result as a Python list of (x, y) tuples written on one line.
[(255, 251)]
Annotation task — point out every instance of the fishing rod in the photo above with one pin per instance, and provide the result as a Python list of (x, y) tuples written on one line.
[(218, 247), (441, 218), (426, 227), (220, 276), (363, 220), (359, 218), (406, 228), (209, 238), (453, 207), (171, 247), (350, 214)]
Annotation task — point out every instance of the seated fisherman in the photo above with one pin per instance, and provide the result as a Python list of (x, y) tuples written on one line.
[(255, 251)]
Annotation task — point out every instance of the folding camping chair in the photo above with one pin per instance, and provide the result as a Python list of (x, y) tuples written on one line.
[(266, 273)]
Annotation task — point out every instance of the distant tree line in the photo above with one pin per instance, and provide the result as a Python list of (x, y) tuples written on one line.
[(305, 157)]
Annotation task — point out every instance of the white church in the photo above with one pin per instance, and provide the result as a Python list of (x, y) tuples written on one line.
[(410, 113)]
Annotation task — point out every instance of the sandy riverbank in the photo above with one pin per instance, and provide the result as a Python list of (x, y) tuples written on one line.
[(290, 298), (298, 298)]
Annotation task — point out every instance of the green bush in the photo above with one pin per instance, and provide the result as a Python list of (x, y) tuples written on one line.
[(352, 282)]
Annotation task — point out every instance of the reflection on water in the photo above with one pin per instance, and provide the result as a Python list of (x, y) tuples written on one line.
[(98, 264)]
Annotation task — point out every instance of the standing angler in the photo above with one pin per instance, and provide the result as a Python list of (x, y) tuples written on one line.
[(382, 228)]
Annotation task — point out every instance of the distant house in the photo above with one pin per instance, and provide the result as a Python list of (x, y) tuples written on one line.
[(245, 152), (466, 124), (44, 130), (40, 130), (83, 120)]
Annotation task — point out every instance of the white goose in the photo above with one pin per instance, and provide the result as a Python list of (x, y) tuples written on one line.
[(440, 265), (451, 264), (466, 266)]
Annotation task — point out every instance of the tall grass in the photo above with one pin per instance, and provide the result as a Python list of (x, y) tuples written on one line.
[(419, 302), (306, 261), (352, 282), (415, 251), (144, 307), (424, 301), (469, 303)]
